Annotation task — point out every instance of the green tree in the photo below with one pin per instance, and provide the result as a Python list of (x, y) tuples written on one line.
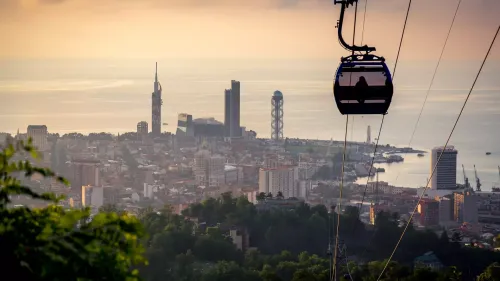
[(52, 243), (279, 195), (111, 208), (261, 196), (491, 273), (229, 271), (497, 241)]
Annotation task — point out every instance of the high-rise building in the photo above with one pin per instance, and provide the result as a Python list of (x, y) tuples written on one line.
[(429, 212), (209, 169), (445, 176), (445, 209), (232, 110), (283, 178), (38, 134), (235, 129), (216, 175), (157, 102), (465, 207), (277, 116), (227, 112), (84, 172), (185, 125), (92, 196), (142, 128)]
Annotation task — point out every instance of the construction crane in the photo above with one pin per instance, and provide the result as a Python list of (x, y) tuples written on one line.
[(478, 182), (466, 179)]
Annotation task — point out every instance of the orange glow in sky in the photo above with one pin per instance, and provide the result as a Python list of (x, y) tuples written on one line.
[(237, 29)]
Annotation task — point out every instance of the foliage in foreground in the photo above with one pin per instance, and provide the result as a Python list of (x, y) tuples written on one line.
[(290, 246), (56, 244), (52, 243)]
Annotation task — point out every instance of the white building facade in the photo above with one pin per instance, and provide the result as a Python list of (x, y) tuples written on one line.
[(284, 179)]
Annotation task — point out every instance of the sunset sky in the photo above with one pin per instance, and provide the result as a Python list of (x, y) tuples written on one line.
[(238, 29)]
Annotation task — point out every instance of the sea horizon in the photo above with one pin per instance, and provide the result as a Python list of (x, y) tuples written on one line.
[(114, 95)]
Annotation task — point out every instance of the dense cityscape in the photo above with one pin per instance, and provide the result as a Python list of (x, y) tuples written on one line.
[(139, 157), (148, 170)]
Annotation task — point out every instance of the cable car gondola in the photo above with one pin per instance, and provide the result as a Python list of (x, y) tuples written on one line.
[(363, 82)]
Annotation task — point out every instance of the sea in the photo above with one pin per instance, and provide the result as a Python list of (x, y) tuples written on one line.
[(113, 95)]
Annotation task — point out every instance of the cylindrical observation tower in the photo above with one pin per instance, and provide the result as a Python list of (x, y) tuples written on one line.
[(277, 116)]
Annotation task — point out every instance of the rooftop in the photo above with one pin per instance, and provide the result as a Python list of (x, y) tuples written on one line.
[(37, 127), (208, 120), (449, 148)]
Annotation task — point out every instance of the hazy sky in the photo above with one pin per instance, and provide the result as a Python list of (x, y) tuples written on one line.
[(237, 28)]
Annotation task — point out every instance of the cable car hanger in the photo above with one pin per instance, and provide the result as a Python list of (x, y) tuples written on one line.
[(362, 83), (345, 4)]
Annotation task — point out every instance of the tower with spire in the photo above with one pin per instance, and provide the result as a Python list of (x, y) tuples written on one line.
[(157, 102)]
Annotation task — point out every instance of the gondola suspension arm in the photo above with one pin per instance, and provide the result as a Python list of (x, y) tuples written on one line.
[(345, 4)]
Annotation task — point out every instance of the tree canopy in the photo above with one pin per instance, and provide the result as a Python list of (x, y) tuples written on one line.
[(53, 243), (280, 244)]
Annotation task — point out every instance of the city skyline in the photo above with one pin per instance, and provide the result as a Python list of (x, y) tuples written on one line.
[(205, 163), (172, 109)]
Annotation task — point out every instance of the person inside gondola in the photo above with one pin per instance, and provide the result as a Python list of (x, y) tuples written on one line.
[(361, 89)]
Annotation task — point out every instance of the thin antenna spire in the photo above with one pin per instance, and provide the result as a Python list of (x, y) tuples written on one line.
[(156, 72)]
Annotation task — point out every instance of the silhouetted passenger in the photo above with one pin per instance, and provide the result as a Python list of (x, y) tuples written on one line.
[(361, 89)]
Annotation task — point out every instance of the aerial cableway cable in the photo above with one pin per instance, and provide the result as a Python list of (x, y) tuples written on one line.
[(343, 166), (432, 80), (440, 154), (345, 137), (362, 38), (363, 26), (401, 41), (353, 43), (383, 116), (339, 205), (428, 91), (354, 28)]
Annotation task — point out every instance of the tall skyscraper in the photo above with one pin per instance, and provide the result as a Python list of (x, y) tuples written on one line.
[(232, 110), (445, 176), (235, 129), (208, 169), (84, 172), (227, 112), (277, 116), (157, 102)]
